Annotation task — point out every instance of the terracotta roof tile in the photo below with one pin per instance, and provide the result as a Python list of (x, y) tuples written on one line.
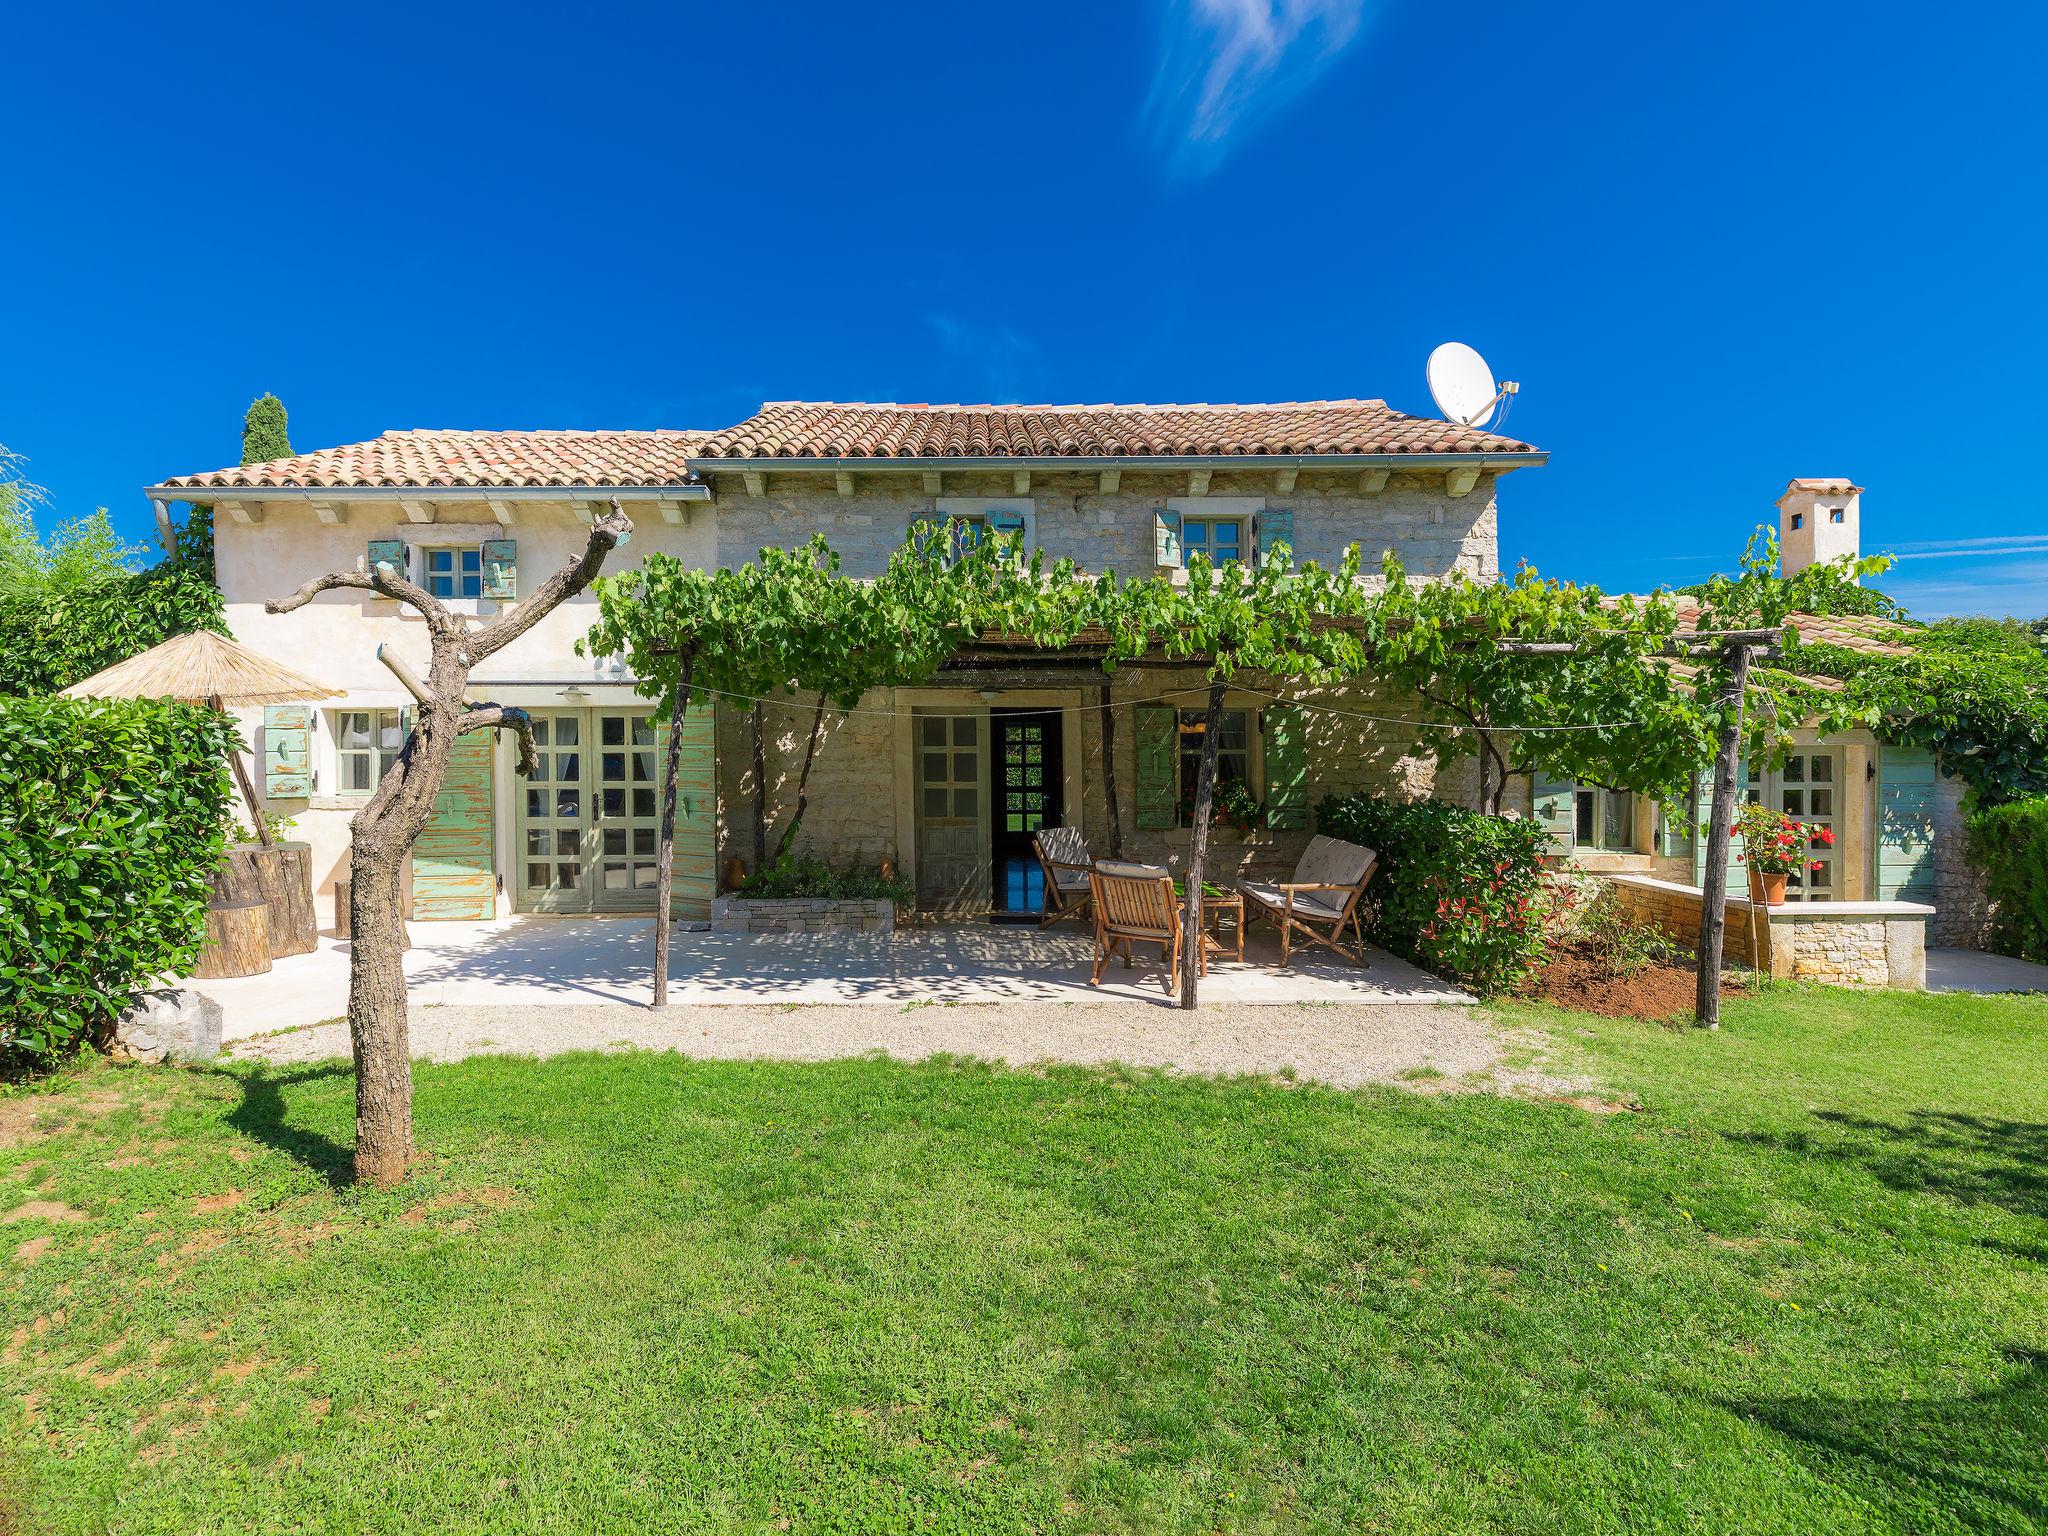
[(481, 459), (798, 429)]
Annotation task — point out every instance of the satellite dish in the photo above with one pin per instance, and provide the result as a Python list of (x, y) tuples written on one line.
[(1462, 385)]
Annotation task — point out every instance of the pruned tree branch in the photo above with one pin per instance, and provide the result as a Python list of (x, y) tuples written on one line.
[(382, 581), (504, 717), (606, 534)]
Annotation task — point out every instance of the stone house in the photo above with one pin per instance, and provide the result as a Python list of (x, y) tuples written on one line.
[(946, 781)]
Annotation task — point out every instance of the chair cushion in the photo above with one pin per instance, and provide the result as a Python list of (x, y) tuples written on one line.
[(1070, 879), (1316, 904), (1330, 861), (1125, 870), (1064, 845)]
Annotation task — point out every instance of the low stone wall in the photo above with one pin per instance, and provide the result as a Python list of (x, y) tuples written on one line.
[(1845, 943), (800, 914)]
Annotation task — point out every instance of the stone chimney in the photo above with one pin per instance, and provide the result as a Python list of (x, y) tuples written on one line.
[(1818, 522)]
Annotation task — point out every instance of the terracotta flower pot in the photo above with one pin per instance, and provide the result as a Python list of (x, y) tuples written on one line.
[(735, 873), (1766, 889)]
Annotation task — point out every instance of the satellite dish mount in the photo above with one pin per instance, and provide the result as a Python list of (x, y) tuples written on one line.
[(1463, 388)]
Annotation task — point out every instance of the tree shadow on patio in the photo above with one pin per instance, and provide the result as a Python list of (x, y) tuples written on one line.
[(1972, 1159), (262, 1116), (1972, 1462)]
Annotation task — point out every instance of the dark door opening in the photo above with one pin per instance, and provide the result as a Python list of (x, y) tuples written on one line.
[(1028, 798)]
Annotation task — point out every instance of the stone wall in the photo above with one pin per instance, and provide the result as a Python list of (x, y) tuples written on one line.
[(1415, 516), (1843, 943), (729, 914), (1962, 911)]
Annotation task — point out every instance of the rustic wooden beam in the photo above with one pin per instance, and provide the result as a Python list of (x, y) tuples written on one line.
[(1111, 481), (1284, 481), (1198, 481), (1373, 481), (932, 480)]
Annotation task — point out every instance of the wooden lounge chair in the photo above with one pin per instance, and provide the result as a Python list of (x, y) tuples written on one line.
[(1134, 905), (1063, 855), (1320, 902)]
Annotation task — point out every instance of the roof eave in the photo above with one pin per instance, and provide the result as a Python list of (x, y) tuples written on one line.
[(1054, 462), (682, 491)]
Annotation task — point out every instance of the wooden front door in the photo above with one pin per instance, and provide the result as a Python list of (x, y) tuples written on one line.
[(1028, 789), (952, 834)]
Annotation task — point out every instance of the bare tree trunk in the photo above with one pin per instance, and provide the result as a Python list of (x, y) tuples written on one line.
[(1714, 884), (760, 792), (1198, 849), (665, 850), (803, 781), (1116, 819), (378, 1026)]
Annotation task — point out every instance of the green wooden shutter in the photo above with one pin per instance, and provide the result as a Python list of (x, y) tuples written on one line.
[(501, 569), (1276, 527), (287, 751), (1677, 830), (1703, 808), (385, 552), (1286, 767), (694, 880), (454, 860), (1014, 528), (1166, 545), (1905, 824), (1557, 808), (1158, 751)]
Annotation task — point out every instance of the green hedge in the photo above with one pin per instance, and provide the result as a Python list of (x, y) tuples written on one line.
[(112, 818), (1457, 891), (2010, 844)]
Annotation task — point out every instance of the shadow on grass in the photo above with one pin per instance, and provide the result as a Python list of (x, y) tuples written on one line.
[(1974, 1462), (261, 1117), (1975, 1159)]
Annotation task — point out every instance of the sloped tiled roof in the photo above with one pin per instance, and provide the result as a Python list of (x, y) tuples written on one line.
[(798, 429), (480, 459), (1866, 633)]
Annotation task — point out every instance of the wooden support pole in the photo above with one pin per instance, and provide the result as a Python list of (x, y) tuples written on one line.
[(1116, 820), (1198, 849), (261, 827), (665, 851), (1714, 885)]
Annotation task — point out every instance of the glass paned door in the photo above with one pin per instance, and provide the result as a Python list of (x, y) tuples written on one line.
[(952, 842), (628, 794), (553, 819), (591, 816), (1809, 788), (1028, 794)]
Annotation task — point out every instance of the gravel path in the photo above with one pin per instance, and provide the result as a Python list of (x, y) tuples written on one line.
[(1343, 1045)]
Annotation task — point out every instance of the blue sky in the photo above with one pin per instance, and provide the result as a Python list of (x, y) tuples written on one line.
[(1719, 247)]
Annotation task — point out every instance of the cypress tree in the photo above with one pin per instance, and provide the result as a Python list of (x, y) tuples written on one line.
[(263, 431)]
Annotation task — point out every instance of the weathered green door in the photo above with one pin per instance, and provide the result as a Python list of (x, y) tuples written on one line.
[(1905, 824), (454, 868)]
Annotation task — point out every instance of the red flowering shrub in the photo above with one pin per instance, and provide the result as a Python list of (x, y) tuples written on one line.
[(1776, 844)]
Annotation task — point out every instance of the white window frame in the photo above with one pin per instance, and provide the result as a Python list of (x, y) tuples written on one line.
[(372, 753), (1241, 510)]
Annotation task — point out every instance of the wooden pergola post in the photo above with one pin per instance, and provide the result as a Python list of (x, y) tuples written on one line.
[(1737, 652)]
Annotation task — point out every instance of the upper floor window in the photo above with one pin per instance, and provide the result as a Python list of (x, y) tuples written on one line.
[(366, 743), (1220, 538), (1798, 519), (1835, 515), (456, 571)]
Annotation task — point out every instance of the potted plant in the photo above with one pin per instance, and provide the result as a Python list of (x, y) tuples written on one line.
[(1774, 845)]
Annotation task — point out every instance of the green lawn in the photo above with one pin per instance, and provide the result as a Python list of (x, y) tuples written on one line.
[(1805, 1289)]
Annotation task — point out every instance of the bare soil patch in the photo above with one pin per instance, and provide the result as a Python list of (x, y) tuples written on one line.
[(1577, 977), (43, 1210)]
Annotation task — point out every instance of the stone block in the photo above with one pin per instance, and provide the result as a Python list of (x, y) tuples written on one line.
[(169, 1024)]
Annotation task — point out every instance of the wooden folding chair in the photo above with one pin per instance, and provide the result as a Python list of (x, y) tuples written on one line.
[(1134, 905), (1063, 855), (1321, 901)]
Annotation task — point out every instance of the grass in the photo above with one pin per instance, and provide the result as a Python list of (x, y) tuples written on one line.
[(1805, 1289)]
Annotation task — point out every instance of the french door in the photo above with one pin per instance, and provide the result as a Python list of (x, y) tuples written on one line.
[(1808, 787), (589, 818), (952, 836), (1029, 785)]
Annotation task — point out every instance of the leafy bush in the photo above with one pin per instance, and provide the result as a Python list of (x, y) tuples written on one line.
[(800, 875), (112, 818), (1457, 891), (2010, 844)]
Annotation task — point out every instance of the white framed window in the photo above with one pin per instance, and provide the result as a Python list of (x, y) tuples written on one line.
[(366, 743), (1223, 539), (453, 570), (1604, 819), (1233, 755)]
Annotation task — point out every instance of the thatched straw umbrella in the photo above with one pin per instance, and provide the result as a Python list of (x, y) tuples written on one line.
[(205, 668)]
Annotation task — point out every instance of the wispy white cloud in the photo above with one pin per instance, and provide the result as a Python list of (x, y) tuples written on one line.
[(2003, 588), (1974, 549), (1225, 65)]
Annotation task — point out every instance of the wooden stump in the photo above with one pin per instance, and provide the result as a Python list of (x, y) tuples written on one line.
[(237, 940), (282, 875)]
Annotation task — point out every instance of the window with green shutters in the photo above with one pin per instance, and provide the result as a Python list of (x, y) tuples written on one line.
[(1286, 767), (287, 751), (1166, 548)]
